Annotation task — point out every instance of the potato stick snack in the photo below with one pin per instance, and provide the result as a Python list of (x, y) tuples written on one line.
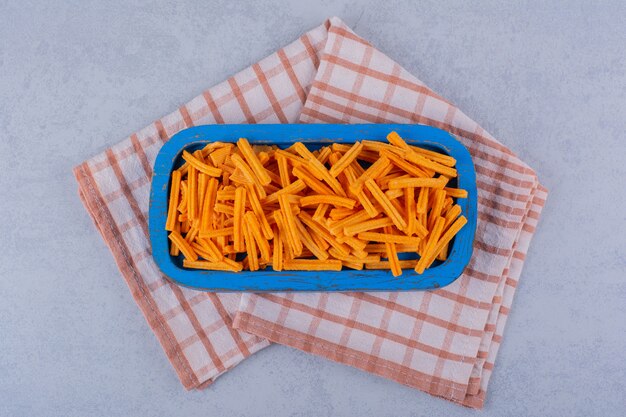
[(352, 206)]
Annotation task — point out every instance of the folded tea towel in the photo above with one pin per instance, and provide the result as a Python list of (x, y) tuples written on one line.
[(443, 342)]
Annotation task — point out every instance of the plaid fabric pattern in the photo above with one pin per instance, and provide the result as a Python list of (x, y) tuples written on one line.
[(194, 328), (443, 342)]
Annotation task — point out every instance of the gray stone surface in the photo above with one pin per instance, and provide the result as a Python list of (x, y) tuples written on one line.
[(548, 79)]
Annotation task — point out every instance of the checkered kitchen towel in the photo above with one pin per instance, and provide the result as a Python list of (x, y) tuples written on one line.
[(443, 342)]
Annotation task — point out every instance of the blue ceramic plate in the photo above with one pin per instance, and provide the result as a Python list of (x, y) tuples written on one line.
[(313, 135)]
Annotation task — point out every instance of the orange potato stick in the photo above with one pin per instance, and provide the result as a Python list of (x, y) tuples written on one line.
[(228, 250), (253, 225), (456, 192), (303, 151), (207, 250), (368, 225), (397, 141), (433, 237), (184, 247), (215, 145), (315, 199), (294, 160), (443, 255), (346, 159), (380, 248), (357, 245), (396, 204), (228, 231), (308, 241), (173, 203), (320, 212), (225, 208), (182, 207), (404, 165), (184, 226), (435, 212), (343, 178), (312, 182), (385, 171), (193, 232), (285, 235), (357, 168), (422, 201), (293, 188), (435, 156), (319, 241), (424, 162), (235, 265), (253, 161), (218, 156), (250, 249), (447, 203), (206, 218), (368, 206), (419, 229), (451, 215), (349, 258), (264, 158), (203, 180), (371, 173), (275, 177), (340, 213), (439, 182), (174, 251), (203, 253), (312, 265), (384, 182), (370, 145), (404, 264), (219, 222), (387, 206), (225, 195), (201, 166), (238, 212), (340, 147), (211, 266), (182, 217), (323, 154), (183, 169), (249, 174), (320, 230), (253, 199), (228, 167), (192, 193), (392, 255), (277, 254), (352, 265), (358, 217), (290, 224), (388, 238), (393, 194), (283, 169), (409, 208)]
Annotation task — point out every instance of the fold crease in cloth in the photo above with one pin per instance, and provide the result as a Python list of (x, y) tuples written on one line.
[(443, 342)]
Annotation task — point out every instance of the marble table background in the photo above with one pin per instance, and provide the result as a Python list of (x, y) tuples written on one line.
[(547, 78)]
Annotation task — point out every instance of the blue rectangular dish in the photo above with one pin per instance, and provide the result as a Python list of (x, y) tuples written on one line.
[(313, 135)]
